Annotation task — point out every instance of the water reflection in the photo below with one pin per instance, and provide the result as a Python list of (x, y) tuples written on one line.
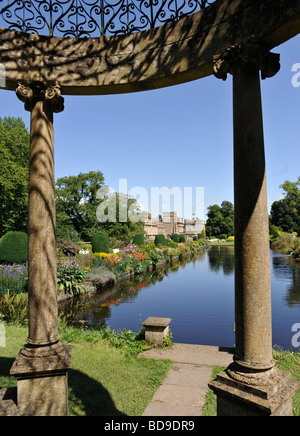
[(221, 258), (288, 269), (96, 309), (198, 294)]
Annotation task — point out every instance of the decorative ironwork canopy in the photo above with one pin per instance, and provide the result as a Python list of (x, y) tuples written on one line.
[(93, 18)]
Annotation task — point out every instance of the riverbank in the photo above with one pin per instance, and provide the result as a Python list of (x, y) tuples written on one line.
[(287, 244), (109, 274), (109, 381)]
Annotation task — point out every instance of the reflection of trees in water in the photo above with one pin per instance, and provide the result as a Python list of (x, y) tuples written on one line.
[(221, 258), (95, 309), (288, 269)]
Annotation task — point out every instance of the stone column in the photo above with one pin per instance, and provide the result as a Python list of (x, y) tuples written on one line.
[(41, 366), (252, 250), (251, 385)]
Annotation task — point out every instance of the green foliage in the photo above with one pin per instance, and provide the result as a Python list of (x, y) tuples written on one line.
[(223, 236), (13, 278), (69, 277), (100, 243), (13, 248), (171, 244), (14, 308), (202, 235), (286, 243), (230, 239), (76, 204), (285, 213), (160, 240), (195, 238), (220, 219), (14, 174), (68, 247), (175, 238), (181, 238), (139, 239), (84, 207)]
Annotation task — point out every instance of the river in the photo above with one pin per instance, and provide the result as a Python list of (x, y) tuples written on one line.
[(199, 297)]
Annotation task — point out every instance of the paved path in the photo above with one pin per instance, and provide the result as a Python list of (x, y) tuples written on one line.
[(184, 389)]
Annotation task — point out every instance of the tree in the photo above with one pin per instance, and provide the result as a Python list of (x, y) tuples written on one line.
[(285, 213), (283, 216), (220, 219), (14, 175), (76, 204), (84, 206)]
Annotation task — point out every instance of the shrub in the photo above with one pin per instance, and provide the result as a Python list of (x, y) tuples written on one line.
[(175, 238), (139, 239), (195, 238), (67, 246), (14, 308), (13, 248), (160, 240), (202, 235), (100, 243), (223, 236), (181, 238), (69, 277), (171, 244), (230, 239)]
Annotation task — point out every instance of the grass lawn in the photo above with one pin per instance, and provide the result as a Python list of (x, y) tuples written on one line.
[(109, 381), (221, 244), (103, 381)]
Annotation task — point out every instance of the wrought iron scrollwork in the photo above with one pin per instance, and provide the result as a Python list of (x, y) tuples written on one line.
[(86, 18)]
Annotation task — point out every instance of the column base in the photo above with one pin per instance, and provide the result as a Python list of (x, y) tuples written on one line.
[(41, 373), (238, 398)]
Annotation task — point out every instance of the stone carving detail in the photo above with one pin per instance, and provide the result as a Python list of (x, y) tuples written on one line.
[(253, 51), (39, 92)]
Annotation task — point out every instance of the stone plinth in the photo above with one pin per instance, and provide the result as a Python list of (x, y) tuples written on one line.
[(156, 330), (42, 388), (237, 398), (8, 402)]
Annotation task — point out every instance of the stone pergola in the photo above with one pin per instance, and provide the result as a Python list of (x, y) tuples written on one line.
[(222, 37)]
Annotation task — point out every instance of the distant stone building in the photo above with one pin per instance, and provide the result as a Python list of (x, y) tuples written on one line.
[(170, 224)]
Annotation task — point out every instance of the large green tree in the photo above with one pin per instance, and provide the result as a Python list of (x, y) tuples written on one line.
[(76, 204), (285, 213), (84, 206), (283, 216), (14, 174), (220, 219)]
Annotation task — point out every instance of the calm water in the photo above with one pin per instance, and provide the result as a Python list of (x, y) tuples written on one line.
[(197, 295)]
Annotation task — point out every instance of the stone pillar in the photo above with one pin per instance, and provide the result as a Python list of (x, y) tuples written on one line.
[(251, 385), (41, 366), (252, 250)]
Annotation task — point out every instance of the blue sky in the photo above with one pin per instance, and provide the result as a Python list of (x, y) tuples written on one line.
[(180, 136)]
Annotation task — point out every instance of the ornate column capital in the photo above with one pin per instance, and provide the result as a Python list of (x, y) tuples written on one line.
[(252, 52), (37, 91)]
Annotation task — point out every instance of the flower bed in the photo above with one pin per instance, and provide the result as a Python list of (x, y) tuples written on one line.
[(86, 271)]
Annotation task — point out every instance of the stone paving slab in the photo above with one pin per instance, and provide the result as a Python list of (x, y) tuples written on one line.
[(184, 389)]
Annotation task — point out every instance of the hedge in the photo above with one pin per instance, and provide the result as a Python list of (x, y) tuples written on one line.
[(100, 243), (14, 248), (160, 240), (139, 239)]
